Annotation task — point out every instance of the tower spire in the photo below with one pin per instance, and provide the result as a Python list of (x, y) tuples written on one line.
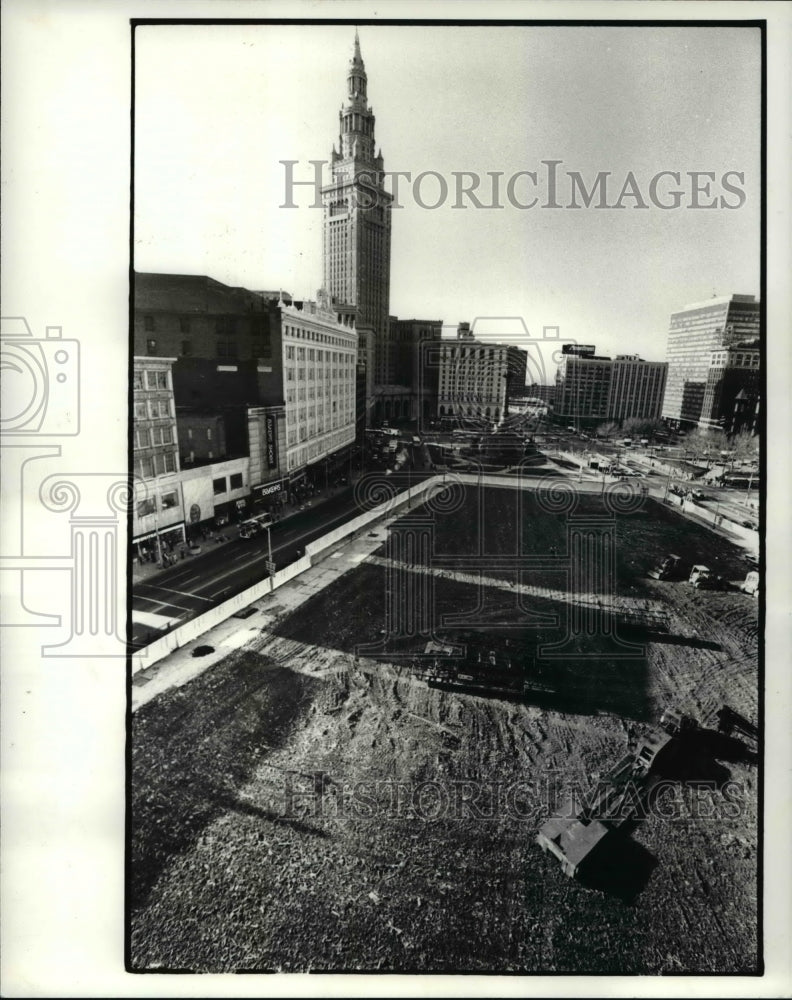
[(356, 117)]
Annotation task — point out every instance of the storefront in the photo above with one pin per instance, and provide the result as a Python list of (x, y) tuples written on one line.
[(159, 545), (267, 497), (231, 512)]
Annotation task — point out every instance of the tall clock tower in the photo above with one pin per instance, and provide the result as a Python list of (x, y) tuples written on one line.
[(356, 229)]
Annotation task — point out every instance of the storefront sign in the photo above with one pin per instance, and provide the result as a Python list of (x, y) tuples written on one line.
[(272, 443), (267, 490)]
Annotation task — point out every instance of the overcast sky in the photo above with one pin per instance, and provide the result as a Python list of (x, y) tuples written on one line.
[(218, 107)]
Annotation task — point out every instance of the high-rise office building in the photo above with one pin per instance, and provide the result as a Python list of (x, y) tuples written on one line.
[(694, 333), (356, 231), (591, 387)]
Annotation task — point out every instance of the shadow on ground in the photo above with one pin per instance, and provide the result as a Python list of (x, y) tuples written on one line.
[(192, 750)]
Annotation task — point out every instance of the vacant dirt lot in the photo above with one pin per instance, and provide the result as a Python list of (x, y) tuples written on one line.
[(297, 808)]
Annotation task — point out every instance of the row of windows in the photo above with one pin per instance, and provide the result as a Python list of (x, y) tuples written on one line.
[(320, 338), (190, 433), (302, 413), (151, 437), (300, 456), (146, 379), (223, 349), (223, 484), (148, 505), (154, 408), (310, 374), (314, 354), (223, 325), (148, 466)]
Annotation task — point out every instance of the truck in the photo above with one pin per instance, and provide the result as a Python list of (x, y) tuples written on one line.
[(669, 568), (751, 583)]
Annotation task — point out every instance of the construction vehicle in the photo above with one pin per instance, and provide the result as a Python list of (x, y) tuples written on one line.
[(576, 832), (729, 721), (751, 583), (675, 722), (702, 578), (670, 568)]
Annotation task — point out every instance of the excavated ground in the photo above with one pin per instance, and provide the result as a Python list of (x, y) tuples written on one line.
[(297, 807)]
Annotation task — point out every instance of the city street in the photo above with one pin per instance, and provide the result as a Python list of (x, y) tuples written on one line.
[(224, 568)]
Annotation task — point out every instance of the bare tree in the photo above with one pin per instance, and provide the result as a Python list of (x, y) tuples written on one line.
[(701, 443), (640, 427), (607, 429), (745, 446)]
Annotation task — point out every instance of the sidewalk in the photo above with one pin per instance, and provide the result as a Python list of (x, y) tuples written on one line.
[(145, 571)]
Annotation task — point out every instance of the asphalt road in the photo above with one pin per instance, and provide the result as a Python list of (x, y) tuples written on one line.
[(224, 568), (189, 588)]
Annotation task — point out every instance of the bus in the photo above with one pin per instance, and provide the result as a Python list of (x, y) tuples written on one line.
[(255, 526)]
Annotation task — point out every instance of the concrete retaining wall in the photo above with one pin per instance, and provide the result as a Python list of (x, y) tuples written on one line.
[(748, 534), (196, 627)]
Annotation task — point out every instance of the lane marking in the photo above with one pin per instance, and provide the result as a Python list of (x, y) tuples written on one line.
[(172, 590), (163, 604)]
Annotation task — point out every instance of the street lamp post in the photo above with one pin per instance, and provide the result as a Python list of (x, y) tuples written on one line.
[(269, 547), (667, 485), (159, 542)]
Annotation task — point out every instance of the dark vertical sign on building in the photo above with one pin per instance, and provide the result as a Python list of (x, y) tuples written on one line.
[(272, 442)]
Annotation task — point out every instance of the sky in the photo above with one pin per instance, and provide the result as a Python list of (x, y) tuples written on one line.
[(218, 107)]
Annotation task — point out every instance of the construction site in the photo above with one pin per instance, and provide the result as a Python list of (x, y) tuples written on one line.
[(498, 732)]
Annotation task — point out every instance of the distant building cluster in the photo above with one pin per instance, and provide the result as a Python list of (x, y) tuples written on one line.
[(711, 379), (242, 397)]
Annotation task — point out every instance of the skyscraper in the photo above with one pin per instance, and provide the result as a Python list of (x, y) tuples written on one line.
[(356, 229), (694, 333)]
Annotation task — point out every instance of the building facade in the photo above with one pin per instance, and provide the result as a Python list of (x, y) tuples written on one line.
[(319, 382), (694, 333), (591, 387), (476, 379), (202, 437), (156, 450), (263, 380), (733, 389), (192, 315), (158, 512), (356, 230), (637, 388)]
